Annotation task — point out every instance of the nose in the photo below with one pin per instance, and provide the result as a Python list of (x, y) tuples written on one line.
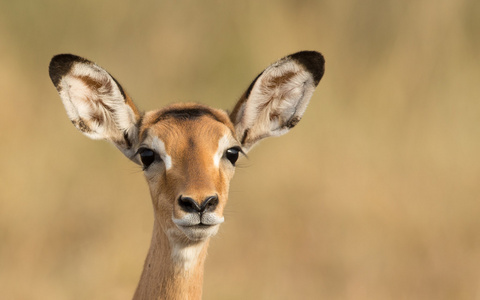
[(189, 205)]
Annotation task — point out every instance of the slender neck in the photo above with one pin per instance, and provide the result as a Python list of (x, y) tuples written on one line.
[(172, 270)]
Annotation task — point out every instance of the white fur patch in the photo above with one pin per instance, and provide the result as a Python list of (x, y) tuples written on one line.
[(187, 220), (184, 256), (223, 144), (210, 218), (159, 146)]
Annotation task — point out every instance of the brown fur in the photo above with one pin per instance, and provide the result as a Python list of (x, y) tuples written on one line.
[(162, 279), (191, 143)]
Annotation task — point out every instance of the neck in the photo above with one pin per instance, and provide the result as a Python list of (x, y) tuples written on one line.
[(172, 270)]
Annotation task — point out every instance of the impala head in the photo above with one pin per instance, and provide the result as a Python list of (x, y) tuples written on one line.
[(187, 151)]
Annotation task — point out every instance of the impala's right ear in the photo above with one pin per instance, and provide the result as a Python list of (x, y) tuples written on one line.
[(277, 98), (95, 102)]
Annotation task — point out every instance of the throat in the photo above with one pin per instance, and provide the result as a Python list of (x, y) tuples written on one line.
[(173, 268), (186, 258)]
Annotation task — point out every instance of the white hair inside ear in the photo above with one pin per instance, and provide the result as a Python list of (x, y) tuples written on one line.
[(95, 102), (277, 99)]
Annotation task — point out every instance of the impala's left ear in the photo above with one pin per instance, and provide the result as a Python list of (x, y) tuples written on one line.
[(277, 98), (95, 102)]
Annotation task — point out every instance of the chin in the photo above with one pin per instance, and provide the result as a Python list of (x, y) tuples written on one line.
[(199, 233)]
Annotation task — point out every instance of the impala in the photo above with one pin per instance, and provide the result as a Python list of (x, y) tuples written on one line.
[(187, 151)]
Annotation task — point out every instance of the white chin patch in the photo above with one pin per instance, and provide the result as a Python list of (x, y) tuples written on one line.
[(188, 244), (184, 255)]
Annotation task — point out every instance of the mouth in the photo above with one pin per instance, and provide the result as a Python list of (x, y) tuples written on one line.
[(201, 225), (198, 227), (199, 232)]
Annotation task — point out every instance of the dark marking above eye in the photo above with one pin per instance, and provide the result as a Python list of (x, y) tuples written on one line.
[(186, 114)]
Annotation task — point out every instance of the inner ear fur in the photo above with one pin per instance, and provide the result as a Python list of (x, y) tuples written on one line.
[(277, 98), (95, 102)]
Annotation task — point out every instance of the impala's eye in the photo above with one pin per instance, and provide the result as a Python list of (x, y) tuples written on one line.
[(147, 157), (232, 154)]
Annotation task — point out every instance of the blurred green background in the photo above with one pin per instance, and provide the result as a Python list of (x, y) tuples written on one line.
[(374, 195)]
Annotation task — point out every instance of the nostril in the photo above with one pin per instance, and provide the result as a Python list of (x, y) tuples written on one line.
[(188, 204), (210, 204)]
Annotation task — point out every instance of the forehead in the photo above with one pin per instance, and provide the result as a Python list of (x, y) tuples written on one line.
[(186, 122)]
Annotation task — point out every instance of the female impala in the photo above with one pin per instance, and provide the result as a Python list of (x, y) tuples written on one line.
[(188, 153)]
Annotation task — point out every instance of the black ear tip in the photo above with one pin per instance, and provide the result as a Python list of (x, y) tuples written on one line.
[(313, 61), (61, 65)]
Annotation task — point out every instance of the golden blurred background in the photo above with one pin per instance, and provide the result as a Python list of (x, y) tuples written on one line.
[(374, 195)]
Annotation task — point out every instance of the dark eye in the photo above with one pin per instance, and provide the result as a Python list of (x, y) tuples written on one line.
[(232, 154), (147, 157)]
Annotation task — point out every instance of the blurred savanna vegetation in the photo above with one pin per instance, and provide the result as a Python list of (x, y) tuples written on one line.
[(374, 195)]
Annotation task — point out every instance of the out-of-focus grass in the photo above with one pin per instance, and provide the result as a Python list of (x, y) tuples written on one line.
[(374, 195)]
